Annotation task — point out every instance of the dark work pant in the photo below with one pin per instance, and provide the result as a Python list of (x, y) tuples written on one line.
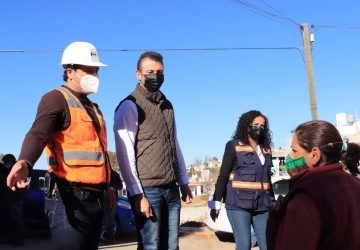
[(109, 218), (75, 218)]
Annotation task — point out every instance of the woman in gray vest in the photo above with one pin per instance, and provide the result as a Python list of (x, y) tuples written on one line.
[(244, 180)]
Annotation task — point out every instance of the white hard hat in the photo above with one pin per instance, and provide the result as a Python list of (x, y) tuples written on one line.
[(82, 53)]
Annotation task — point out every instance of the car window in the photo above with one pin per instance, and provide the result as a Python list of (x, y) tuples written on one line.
[(41, 184), (281, 187), (37, 180)]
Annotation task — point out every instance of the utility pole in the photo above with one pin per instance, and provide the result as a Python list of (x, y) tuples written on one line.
[(309, 69)]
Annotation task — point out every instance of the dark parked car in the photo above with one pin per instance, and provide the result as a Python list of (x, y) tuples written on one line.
[(35, 217), (281, 186), (124, 218), (34, 213)]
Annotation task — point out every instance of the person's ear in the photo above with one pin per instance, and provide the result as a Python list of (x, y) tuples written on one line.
[(70, 73), (138, 75), (316, 156)]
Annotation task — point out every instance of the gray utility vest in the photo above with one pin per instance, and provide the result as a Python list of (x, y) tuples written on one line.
[(155, 147)]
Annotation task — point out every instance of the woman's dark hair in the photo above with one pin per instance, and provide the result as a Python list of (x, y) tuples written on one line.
[(152, 55), (351, 157), (71, 66), (244, 123), (326, 137)]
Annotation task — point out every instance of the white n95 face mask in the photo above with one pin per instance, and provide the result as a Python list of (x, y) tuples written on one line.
[(89, 84)]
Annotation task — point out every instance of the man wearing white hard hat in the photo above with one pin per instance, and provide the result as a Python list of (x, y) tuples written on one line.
[(72, 130)]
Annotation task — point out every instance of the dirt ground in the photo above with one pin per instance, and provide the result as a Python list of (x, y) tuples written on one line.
[(203, 239), (191, 235)]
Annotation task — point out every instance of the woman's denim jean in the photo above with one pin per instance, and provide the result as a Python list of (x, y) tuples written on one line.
[(162, 230), (75, 219), (241, 221)]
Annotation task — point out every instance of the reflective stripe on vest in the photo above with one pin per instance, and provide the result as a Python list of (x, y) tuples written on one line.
[(244, 148), (75, 157), (86, 156), (248, 184), (71, 102), (249, 149), (231, 176)]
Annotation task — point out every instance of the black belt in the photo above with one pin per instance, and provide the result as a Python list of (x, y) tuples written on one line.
[(71, 186)]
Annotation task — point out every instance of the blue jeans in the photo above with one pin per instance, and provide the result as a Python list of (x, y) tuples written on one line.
[(75, 218), (241, 221), (162, 230)]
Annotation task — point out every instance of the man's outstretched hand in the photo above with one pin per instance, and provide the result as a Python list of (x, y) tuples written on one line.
[(17, 176)]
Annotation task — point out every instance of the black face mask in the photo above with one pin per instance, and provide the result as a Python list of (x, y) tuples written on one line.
[(153, 82), (257, 133)]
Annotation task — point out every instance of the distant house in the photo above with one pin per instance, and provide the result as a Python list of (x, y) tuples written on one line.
[(348, 127), (199, 188)]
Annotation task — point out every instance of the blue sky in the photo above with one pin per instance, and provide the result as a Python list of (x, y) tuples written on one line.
[(209, 89)]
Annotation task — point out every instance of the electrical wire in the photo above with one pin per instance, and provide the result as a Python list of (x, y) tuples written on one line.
[(163, 49), (344, 26), (280, 18)]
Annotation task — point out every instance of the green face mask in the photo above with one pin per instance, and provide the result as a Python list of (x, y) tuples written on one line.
[(295, 166)]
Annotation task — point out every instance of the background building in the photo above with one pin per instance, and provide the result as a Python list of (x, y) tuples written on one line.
[(348, 126)]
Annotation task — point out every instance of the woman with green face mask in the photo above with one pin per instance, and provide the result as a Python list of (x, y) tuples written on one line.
[(321, 210)]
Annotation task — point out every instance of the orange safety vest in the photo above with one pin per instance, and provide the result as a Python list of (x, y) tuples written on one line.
[(79, 153)]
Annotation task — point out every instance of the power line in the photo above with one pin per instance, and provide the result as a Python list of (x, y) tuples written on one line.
[(284, 18), (267, 5), (278, 17), (201, 49), (341, 26), (29, 51), (162, 49), (158, 49)]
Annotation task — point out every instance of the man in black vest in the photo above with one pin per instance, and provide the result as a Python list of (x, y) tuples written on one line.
[(150, 158)]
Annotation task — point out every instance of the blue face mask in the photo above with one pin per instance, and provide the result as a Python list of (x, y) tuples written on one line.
[(295, 166), (7, 166)]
